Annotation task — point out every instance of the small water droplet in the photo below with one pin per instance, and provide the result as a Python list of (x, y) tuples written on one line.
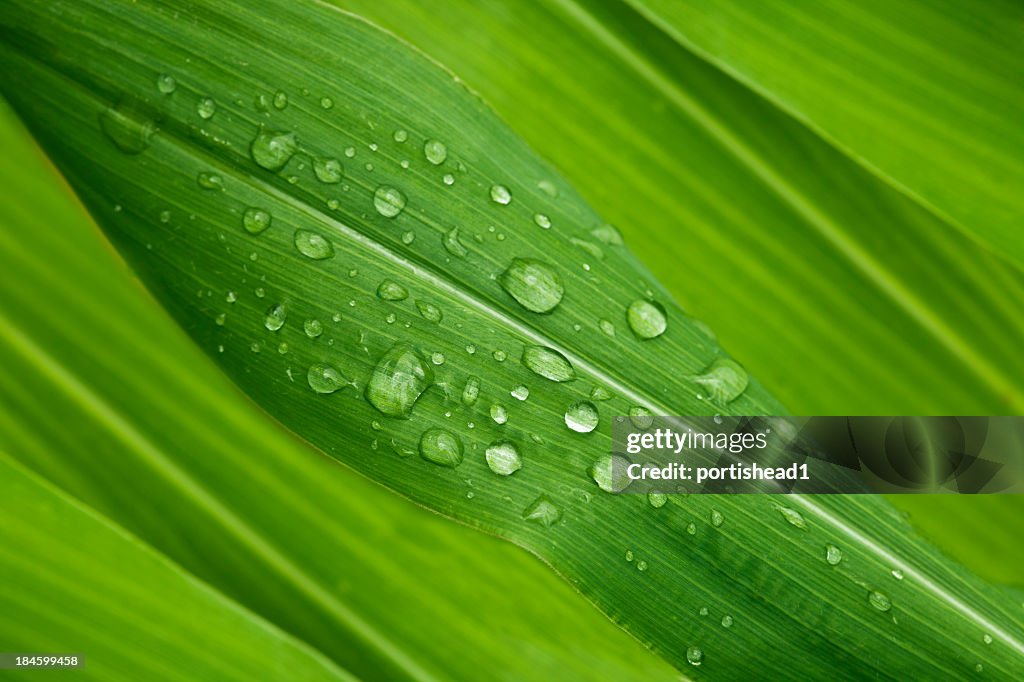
[(206, 108), (646, 319), (691, 528), (166, 83), (165, 216), (879, 600), (127, 127), (979, 668), (716, 518), (503, 458), (657, 500), (220, 319), (641, 565), (231, 297), (272, 149), (326, 102), (600, 394), (435, 152), (607, 234), (607, 327), (499, 355), (255, 220), (542, 220), (471, 349), (640, 417), (398, 380), (500, 195), (328, 171), (388, 201), (452, 244), (280, 99), (520, 392), (276, 316), (533, 284), (609, 473), (792, 516), (833, 555), (897, 574), (548, 363), (499, 414), (542, 511), (548, 188), (437, 358), (703, 611), (429, 311), (727, 621), (389, 290), (471, 391), (629, 555), (441, 447), (313, 328), (210, 181), (312, 245), (694, 655), (400, 136), (581, 416), (987, 638), (724, 380), (325, 379)]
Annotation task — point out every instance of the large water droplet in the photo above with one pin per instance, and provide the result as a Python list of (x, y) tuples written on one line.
[(389, 290), (325, 379), (435, 152), (724, 380), (127, 127), (399, 379), (388, 201), (471, 391), (441, 447), (694, 655), (328, 171), (500, 195), (313, 328), (503, 458), (312, 245), (272, 149), (206, 108), (255, 220), (609, 473), (542, 511), (548, 363), (792, 516), (833, 555), (520, 392), (276, 316), (581, 416), (879, 601), (646, 319), (533, 284), (717, 519)]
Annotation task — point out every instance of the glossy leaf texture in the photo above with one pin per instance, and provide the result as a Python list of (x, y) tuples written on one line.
[(415, 390), (862, 301), (106, 398)]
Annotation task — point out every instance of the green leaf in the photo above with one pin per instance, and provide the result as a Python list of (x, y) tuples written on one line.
[(925, 94), (856, 294), (776, 596), (71, 583), (106, 398)]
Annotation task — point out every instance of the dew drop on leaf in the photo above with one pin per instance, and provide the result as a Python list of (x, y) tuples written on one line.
[(646, 319), (429, 311), (388, 201), (879, 600), (640, 417), (325, 379), (792, 516), (533, 284), (400, 136), (503, 458), (499, 414), (607, 234), (276, 316), (313, 328), (389, 290), (435, 152), (833, 555), (255, 220), (210, 181), (542, 511), (280, 99), (272, 149), (398, 380), (471, 391), (542, 221), (897, 574), (166, 83), (500, 195), (328, 171), (694, 655), (452, 244), (581, 416), (128, 128), (657, 500), (727, 621), (312, 245), (724, 380), (609, 473), (716, 518), (520, 392), (441, 447), (548, 363), (206, 108)]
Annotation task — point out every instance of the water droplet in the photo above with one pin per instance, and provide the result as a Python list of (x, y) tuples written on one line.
[(533, 284), (441, 447), (312, 245), (607, 234), (325, 379), (400, 136), (128, 128), (255, 220), (471, 391), (206, 108), (471, 349), (499, 355), (272, 149), (897, 573), (452, 244), (437, 358), (716, 518), (629, 555), (542, 220), (591, 249), (328, 171), (646, 319), (641, 565), (435, 152), (600, 393), (503, 458), (388, 201), (640, 417), (542, 511), (429, 311), (280, 99), (326, 102), (833, 555), (499, 414), (276, 316), (691, 528), (724, 380), (657, 500), (607, 327), (220, 319), (987, 638), (609, 473), (313, 328), (979, 668), (390, 290), (879, 600), (548, 363), (694, 655), (210, 181), (520, 392), (727, 621), (165, 216), (231, 297), (581, 416), (399, 379), (548, 188), (792, 516), (166, 83), (500, 195)]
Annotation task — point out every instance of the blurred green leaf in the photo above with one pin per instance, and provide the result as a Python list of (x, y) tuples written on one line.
[(170, 174)]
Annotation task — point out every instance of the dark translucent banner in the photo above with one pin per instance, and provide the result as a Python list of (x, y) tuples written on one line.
[(814, 455)]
